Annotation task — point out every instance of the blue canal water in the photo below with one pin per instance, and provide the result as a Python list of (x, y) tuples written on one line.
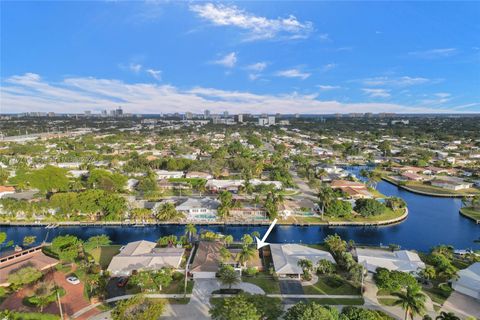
[(431, 221)]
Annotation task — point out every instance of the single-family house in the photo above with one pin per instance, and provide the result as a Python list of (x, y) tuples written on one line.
[(401, 260), (215, 185), (468, 281), (199, 208), (286, 256), (144, 255), (450, 183), (355, 190), (198, 174), (164, 174)]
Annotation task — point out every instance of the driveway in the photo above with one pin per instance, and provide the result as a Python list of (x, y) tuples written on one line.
[(113, 290), (291, 286), (462, 304)]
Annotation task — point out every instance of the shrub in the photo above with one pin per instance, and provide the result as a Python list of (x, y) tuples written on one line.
[(369, 207), (251, 271)]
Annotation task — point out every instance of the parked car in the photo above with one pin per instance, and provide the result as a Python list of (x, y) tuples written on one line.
[(122, 282), (73, 280)]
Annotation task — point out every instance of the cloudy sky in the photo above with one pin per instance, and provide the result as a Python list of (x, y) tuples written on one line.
[(255, 57)]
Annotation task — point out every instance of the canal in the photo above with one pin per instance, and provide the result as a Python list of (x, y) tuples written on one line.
[(431, 221)]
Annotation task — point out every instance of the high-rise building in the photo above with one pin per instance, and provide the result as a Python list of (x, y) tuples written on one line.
[(225, 114), (188, 115), (119, 112), (104, 113), (88, 113), (240, 118), (206, 114)]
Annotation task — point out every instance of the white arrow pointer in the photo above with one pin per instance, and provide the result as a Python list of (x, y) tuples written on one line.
[(262, 243)]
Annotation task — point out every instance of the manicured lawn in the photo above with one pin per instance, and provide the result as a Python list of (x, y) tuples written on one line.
[(388, 215), (387, 301), (178, 287), (437, 295), (419, 186), (471, 213), (341, 301), (331, 285), (104, 254), (264, 281)]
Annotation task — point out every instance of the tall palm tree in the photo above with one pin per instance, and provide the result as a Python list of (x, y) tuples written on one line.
[(228, 276), (412, 300), (228, 240), (326, 196), (245, 255), (307, 267), (190, 230), (447, 316)]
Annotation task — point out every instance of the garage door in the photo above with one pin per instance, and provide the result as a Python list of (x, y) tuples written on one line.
[(204, 275)]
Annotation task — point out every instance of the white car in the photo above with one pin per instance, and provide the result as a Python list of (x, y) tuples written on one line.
[(73, 280)]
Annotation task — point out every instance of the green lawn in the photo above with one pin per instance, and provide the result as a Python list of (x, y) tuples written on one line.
[(264, 281), (471, 213), (104, 254), (387, 301), (437, 295), (388, 215), (341, 301), (422, 187), (178, 287), (331, 285)]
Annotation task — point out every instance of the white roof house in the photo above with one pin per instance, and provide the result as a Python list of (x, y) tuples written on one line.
[(468, 281), (195, 208), (164, 174), (402, 260), (286, 256), (143, 255)]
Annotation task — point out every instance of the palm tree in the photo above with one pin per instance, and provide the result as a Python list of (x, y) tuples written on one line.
[(245, 255), (228, 240), (326, 196), (228, 276), (412, 300), (447, 316), (307, 267), (190, 230)]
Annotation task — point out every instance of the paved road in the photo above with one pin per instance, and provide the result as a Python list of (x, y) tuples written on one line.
[(305, 190), (463, 305)]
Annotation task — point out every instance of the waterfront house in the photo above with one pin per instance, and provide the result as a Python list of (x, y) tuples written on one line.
[(215, 185), (401, 260), (144, 255), (355, 190), (286, 256), (207, 260), (33, 257), (468, 281), (451, 183), (199, 208), (164, 174), (412, 176)]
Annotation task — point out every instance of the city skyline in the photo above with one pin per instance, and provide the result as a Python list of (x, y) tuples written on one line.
[(155, 57)]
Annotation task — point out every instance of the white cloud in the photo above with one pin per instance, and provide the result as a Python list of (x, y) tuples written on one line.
[(156, 74), (434, 53), (257, 67), (327, 87), (329, 66), (293, 73), (29, 92), (135, 67), (257, 27), (376, 93), (227, 61), (403, 81)]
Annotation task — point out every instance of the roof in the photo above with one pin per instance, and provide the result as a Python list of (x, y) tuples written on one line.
[(402, 260), (30, 257), (143, 255), (286, 256), (207, 257), (7, 189), (346, 183), (470, 277), (195, 203)]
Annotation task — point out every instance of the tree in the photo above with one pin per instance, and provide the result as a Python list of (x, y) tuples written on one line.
[(49, 179), (105, 180), (325, 196), (395, 203), (168, 212), (228, 276), (226, 203), (97, 241), (355, 274), (225, 254), (335, 244), (339, 208), (3, 237), (245, 255), (247, 240), (394, 280), (307, 268), (66, 247), (234, 308), (428, 273), (369, 207), (325, 266), (43, 297), (24, 276), (310, 311), (412, 301), (28, 240), (152, 280), (357, 313), (191, 231), (447, 316), (228, 240), (137, 308), (140, 214)]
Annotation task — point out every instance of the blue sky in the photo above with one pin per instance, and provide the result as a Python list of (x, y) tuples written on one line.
[(287, 57)]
